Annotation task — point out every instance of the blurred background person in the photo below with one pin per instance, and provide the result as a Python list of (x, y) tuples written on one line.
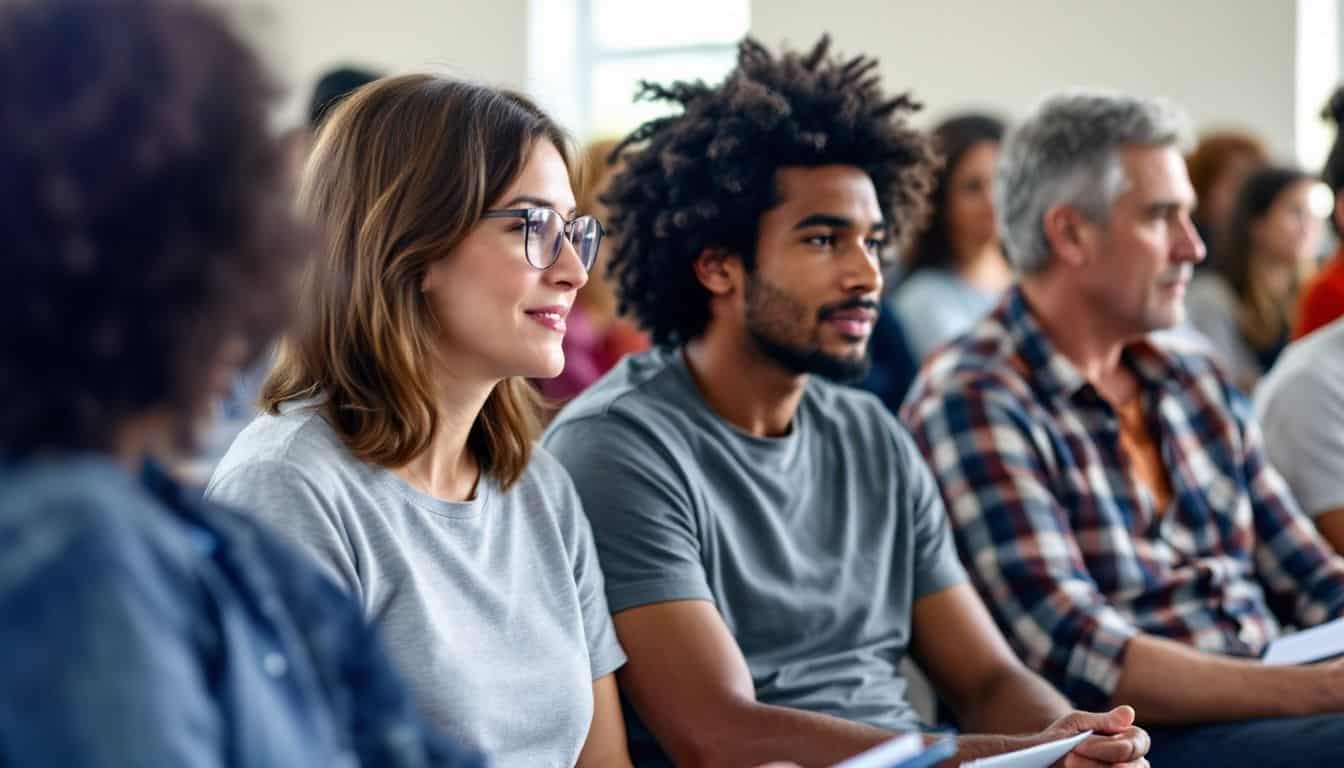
[(239, 405), (333, 85), (597, 336), (1243, 303), (1219, 164), (1323, 295), (149, 250), (1300, 407), (955, 270)]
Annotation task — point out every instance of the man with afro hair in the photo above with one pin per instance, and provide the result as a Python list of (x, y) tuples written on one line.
[(772, 543)]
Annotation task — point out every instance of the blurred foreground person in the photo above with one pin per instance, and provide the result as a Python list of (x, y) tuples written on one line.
[(149, 250)]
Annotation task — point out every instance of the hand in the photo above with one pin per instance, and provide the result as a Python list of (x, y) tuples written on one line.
[(1115, 740)]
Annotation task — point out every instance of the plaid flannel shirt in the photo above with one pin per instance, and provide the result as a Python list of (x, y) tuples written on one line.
[(1068, 550)]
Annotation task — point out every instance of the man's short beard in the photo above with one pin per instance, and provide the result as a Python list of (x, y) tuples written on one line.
[(769, 313), (808, 361)]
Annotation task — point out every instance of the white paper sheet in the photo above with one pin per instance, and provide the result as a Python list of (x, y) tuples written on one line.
[(1309, 645), (1039, 756)]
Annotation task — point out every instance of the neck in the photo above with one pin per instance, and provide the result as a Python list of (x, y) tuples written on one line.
[(984, 267), (447, 469), (743, 386), (1075, 330)]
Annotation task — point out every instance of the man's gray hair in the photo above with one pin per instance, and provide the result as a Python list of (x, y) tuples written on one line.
[(1067, 153)]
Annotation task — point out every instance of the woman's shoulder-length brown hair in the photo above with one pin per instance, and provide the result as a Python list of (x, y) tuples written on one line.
[(399, 174)]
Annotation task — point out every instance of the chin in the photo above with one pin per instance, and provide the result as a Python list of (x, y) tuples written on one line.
[(544, 368)]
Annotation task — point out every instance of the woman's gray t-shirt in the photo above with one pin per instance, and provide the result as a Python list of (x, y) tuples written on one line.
[(492, 608)]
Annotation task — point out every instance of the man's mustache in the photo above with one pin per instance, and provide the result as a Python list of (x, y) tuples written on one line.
[(827, 311)]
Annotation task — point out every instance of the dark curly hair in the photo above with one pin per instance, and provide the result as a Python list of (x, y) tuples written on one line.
[(952, 139), (145, 219), (703, 178)]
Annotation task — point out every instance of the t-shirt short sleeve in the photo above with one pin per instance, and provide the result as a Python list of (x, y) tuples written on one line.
[(936, 564), (605, 654), (288, 502), (640, 509)]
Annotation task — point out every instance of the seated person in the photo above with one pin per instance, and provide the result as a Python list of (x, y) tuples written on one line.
[(955, 271), (1300, 406), (773, 545), (1241, 304), (1218, 165), (596, 336), (1111, 498), (397, 442), (148, 248)]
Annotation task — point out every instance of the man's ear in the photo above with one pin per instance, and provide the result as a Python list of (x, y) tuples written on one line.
[(1071, 237), (719, 270)]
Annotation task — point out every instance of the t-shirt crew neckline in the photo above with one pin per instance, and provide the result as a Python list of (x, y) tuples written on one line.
[(781, 448), (462, 510)]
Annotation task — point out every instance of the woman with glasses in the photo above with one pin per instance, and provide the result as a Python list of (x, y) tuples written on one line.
[(396, 444)]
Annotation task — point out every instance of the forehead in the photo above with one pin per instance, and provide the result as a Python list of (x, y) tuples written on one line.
[(842, 190), (1156, 172), (544, 176)]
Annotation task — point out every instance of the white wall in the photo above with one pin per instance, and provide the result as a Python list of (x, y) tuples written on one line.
[(1228, 62), (482, 39)]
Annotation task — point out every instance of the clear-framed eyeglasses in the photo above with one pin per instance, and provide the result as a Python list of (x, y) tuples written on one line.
[(544, 233)]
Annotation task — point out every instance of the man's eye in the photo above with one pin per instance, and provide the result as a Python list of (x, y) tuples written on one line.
[(875, 244), (821, 240)]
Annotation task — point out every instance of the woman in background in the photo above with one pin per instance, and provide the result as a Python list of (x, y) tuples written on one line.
[(1243, 303), (956, 269), (1218, 166), (598, 337)]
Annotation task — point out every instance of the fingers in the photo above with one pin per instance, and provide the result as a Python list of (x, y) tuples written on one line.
[(1114, 721), (1074, 760), (1109, 749)]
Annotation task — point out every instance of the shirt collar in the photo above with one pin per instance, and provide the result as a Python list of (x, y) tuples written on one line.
[(1056, 374)]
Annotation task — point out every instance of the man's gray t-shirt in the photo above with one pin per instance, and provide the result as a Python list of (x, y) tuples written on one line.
[(493, 608), (812, 546)]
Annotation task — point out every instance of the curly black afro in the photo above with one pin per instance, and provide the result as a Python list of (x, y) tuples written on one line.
[(703, 178), (144, 214)]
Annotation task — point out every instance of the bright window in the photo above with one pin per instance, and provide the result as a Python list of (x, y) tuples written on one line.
[(625, 41)]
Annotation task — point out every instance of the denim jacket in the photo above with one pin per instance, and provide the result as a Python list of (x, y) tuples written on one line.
[(141, 626)]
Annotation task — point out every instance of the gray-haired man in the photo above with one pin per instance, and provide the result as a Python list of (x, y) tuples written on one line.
[(1109, 496)]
